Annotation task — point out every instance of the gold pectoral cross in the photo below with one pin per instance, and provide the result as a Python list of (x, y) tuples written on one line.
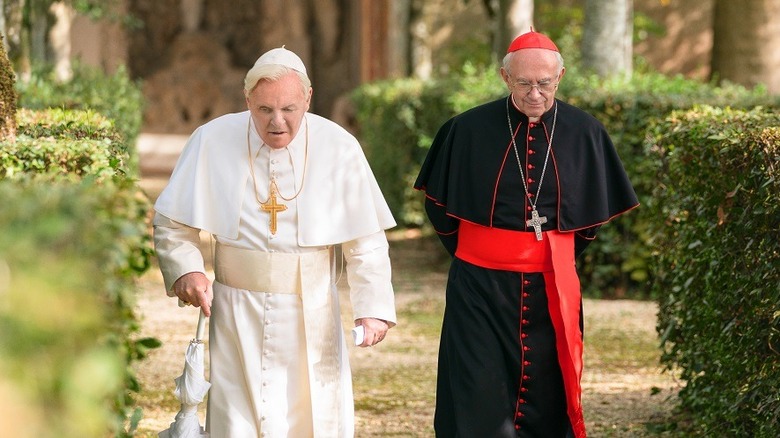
[(272, 206)]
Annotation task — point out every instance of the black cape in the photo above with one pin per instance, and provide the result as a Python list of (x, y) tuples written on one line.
[(465, 161)]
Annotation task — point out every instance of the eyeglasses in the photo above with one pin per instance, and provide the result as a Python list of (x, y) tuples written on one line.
[(544, 87)]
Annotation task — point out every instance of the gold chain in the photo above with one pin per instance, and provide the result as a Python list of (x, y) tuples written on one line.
[(273, 179)]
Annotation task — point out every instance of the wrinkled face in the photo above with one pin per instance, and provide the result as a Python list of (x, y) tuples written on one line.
[(532, 77), (277, 108)]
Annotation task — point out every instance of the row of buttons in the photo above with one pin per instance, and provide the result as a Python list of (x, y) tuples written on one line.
[(524, 350)]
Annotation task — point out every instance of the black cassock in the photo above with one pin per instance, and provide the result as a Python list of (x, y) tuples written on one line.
[(499, 372)]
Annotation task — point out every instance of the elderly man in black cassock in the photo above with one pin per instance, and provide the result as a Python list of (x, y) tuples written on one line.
[(516, 189)]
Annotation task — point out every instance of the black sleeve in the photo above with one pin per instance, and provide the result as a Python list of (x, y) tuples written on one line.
[(582, 239), (446, 227)]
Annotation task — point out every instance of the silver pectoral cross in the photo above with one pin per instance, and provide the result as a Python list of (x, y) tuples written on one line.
[(536, 221)]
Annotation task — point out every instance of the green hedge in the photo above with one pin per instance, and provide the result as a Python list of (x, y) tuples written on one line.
[(65, 142), (717, 246), (399, 118), (617, 263), (75, 240), (115, 96)]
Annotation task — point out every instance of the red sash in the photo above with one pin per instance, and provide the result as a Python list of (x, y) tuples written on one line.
[(553, 256)]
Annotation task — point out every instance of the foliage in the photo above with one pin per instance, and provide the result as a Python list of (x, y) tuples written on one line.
[(717, 251), (75, 238), (395, 127), (64, 142), (617, 264), (115, 96), (58, 123)]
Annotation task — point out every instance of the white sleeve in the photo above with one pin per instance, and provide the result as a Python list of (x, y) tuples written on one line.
[(178, 250), (369, 277)]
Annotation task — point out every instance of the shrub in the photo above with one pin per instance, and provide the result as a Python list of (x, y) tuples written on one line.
[(617, 264), (75, 238), (395, 129), (64, 142), (68, 257), (115, 96), (717, 245)]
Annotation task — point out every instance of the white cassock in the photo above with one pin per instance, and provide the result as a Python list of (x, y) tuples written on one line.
[(278, 359)]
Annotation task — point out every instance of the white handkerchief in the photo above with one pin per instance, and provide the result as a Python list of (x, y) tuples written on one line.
[(357, 334)]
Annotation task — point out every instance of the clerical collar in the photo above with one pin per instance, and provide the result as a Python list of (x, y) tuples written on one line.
[(546, 117)]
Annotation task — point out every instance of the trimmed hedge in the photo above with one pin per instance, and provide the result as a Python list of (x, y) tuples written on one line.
[(717, 247), (115, 96), (75, 239), (65, 142)]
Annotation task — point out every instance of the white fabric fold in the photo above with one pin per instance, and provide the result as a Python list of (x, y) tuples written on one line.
[(191, 389)]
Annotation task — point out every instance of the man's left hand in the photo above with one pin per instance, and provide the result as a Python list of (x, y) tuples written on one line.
[(375, 330)]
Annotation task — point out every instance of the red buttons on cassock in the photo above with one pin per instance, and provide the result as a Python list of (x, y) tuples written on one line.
[(525, 321)]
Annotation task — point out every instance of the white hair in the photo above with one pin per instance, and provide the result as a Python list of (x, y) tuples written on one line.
[(272, 72)]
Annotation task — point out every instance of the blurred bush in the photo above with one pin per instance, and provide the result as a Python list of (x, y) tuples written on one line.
[(76, 237), (716, 246)]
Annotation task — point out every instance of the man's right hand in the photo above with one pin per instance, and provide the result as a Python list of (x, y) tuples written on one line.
[(195, 288)]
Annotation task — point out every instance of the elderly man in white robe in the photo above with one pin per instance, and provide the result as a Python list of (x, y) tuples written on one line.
[(280, 189)]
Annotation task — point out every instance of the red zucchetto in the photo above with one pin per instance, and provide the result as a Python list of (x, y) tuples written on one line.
[(532, 40)]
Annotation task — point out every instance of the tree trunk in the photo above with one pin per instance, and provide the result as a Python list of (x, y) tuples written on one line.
[(7, 96), (422, 56), (59, 40), (746, 36), (399, 39), (607, 37), (515, 17)]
